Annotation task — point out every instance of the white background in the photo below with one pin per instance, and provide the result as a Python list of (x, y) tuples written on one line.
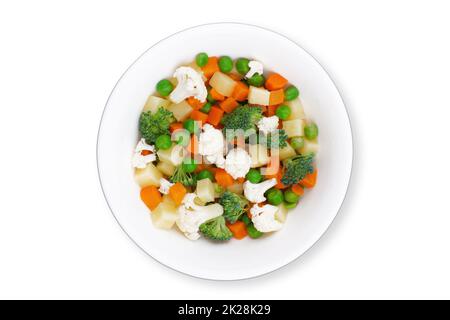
[(59, 60)]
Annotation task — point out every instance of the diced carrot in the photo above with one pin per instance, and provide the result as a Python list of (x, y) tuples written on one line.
[(176, 126), (298, 189), (215, 116), (309, 181), (278, 175), (276, 97), (151, 197), (211, 67), (238, 229), (235, 76), (177, 193), (264, 109), (199, 116), (240, 91), (195, 104), (145, 152), (271, 110), (223, 178), (275, 81), (229, 104), (240, 180), (192, 148), (216, 95)]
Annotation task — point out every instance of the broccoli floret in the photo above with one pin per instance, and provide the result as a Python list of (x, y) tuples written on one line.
[(275, 141), (181, 176), (153, 125), (296, 168), (216, 229), (233, 206), (242, 118)]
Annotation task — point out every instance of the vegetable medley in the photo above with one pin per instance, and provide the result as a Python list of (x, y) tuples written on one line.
[(226, 150)]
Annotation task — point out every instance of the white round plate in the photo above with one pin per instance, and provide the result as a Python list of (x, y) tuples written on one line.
[(235, 259)]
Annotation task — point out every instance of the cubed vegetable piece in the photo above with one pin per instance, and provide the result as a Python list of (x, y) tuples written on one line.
[(259, 155), (173, 156), (281, 214), (215, 116), (222, 83), (154, 103), (297, 110), (148, 176), (211, 67), (294, 128), (275, 82), (310, 180), (199, 116), (194, 103), (229, 104), (287, 152), (237, 188), (259, 96), (165, 215), (276, 97), (240, 92), (177, 193), (181, 111), (223, 178), (310, 147), (205, 190), (151, 197), (166, 168)]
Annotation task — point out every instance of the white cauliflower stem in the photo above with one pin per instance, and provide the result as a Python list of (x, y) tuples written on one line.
[(255, 67), (263, 218), (190, 84), (191, 216), (140, 161), (254, 192)]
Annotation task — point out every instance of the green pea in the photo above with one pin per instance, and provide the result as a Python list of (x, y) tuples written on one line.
[(289, 205), (191, 126), (225, 64), (206, 108), (163, 142), (311, 131), (242, 66), (201, 59), (283, 112), (205, 174), (290, 93), (290, 196), (189, 165), (275, 197), (246, 219), (257, 80), (164, 87), (297, 143), (254, 176), (253, 232), (182, 137), (210, 98)]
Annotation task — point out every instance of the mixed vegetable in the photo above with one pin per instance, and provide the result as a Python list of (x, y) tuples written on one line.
[(225, 150)]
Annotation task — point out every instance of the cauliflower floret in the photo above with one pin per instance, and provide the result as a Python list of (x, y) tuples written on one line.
[(255, 67), (190, 84), (263, 218), (165, 186), (140, 161), (238, 163), (191, 216), (268, 124), (254, 192), (211, 145)]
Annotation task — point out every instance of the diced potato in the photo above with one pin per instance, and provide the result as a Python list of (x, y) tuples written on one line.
[(294, 128), (259, 155), (148, 176), (154, 103), (181, 111), (237, 188), (222, 83), (165, 215), (281, 214), (287, 152), (173, 156), (166, 168), (259, 96), (310, 147), (297, 110), (205, 190)]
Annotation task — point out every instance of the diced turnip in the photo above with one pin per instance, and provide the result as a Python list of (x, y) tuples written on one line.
[(287, 152), (154, 103), (222, 83), (166, 168), (259, 96), (181, 111), (297, 110), (310, 147), (259, 155), (165, 215), (294, 128), (148, 176), (205, 190), (281, 214), (173, 156)]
